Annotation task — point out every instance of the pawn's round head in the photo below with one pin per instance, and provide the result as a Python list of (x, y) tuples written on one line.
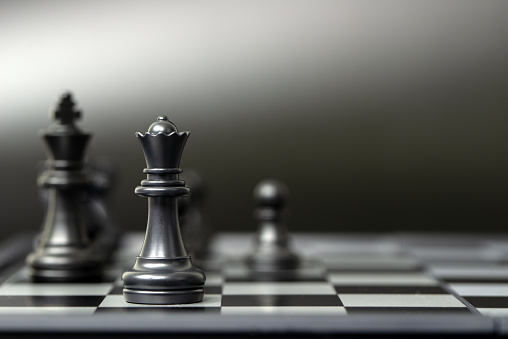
[(271, 193), (162, 125)]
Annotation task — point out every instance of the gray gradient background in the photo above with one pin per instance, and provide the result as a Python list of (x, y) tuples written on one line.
[(379, 115)]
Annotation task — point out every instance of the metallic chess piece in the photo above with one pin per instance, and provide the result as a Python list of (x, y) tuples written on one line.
[(101, 227), (195, 228), (272, 252), (64, 251), (163, 272)]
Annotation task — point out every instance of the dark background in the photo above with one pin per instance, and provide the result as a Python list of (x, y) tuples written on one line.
[(379, 115)]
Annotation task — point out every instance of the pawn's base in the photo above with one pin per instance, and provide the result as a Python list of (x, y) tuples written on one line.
[(163, 297)]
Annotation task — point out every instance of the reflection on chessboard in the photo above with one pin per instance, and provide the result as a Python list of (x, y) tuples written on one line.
[(340, 276)]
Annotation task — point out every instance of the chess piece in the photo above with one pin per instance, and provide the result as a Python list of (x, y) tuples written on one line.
[(163, 272), (63, 251), (272, 252), (101, 229), (194, 226)]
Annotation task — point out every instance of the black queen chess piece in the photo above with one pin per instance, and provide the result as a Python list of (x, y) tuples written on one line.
[(163, 272), (64, 253)]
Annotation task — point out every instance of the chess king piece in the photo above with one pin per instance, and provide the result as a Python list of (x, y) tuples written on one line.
[(272, 252), (101, 230), (64, 252), (163, 272)]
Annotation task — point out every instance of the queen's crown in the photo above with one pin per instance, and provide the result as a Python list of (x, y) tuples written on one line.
[(162, 144)]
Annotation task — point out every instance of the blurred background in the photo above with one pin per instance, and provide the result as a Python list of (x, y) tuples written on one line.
[(384, 115)]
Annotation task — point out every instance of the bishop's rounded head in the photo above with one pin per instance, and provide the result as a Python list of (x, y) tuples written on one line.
[(271, 193), (162, 125)]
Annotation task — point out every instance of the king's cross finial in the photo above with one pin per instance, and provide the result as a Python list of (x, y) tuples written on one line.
[(65, 112)]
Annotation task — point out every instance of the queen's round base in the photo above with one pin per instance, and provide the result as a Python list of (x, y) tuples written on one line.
[(163, 297), (163, 281)]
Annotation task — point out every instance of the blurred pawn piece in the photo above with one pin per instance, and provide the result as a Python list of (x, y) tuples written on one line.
[(271, 252)]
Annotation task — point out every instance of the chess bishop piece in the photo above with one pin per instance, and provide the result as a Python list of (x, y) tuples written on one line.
[(163, 272), (64, 252), (272, 252)]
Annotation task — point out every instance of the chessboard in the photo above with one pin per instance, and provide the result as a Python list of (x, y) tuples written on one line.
[(346, 284)]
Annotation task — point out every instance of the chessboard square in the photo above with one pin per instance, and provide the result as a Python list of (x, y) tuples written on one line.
[(384, 289), (285, 310), (467, 265), (488, 302), (466, 271), (282, 300), (458, 254), (158, 309), (25, 310), (213, 290), (377, 279), (306, 272), (407, 310), (376, 270), (209, 300), (55, 289), (301, 275), (324, 245), (278, 288), (50, 301), (476, 280), (400, 300), (276, 278), (494, 312), (371, 262), (500, 290)]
